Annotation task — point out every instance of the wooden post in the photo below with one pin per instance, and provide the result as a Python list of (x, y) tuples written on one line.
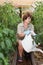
[(20, 9)]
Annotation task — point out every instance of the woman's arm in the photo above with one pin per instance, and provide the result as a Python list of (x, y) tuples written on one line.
[(21, 35)]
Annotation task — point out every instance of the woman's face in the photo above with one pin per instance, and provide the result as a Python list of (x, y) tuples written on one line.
[(27, 21)]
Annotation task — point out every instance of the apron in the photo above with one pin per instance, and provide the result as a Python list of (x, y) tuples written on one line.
[(29, 44)]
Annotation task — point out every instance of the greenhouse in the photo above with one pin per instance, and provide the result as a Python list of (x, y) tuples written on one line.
[(14, 15)]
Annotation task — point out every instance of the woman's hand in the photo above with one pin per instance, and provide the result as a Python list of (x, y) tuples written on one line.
[(27, 32)]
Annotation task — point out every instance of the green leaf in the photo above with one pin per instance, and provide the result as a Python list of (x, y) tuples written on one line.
[(2, 44), (1, 56), (1, 35), (8, 43), (6, 61), (5, 31)]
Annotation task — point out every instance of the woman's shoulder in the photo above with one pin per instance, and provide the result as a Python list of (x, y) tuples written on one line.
[(31, 25), (20, 24)]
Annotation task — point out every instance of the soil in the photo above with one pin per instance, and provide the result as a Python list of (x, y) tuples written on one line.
[(38, 59)]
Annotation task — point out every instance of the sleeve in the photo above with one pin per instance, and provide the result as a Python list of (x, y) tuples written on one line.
[(32, 30), (32, 27), (19, 29)]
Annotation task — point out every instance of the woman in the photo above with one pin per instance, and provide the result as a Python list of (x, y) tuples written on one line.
[(25, 25)]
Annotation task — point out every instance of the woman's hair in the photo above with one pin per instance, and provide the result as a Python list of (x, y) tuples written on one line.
[(26, 15)]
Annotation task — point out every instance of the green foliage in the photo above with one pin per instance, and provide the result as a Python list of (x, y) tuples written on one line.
[(38, 21), (3, 60), (8, 26), (8, 16)]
